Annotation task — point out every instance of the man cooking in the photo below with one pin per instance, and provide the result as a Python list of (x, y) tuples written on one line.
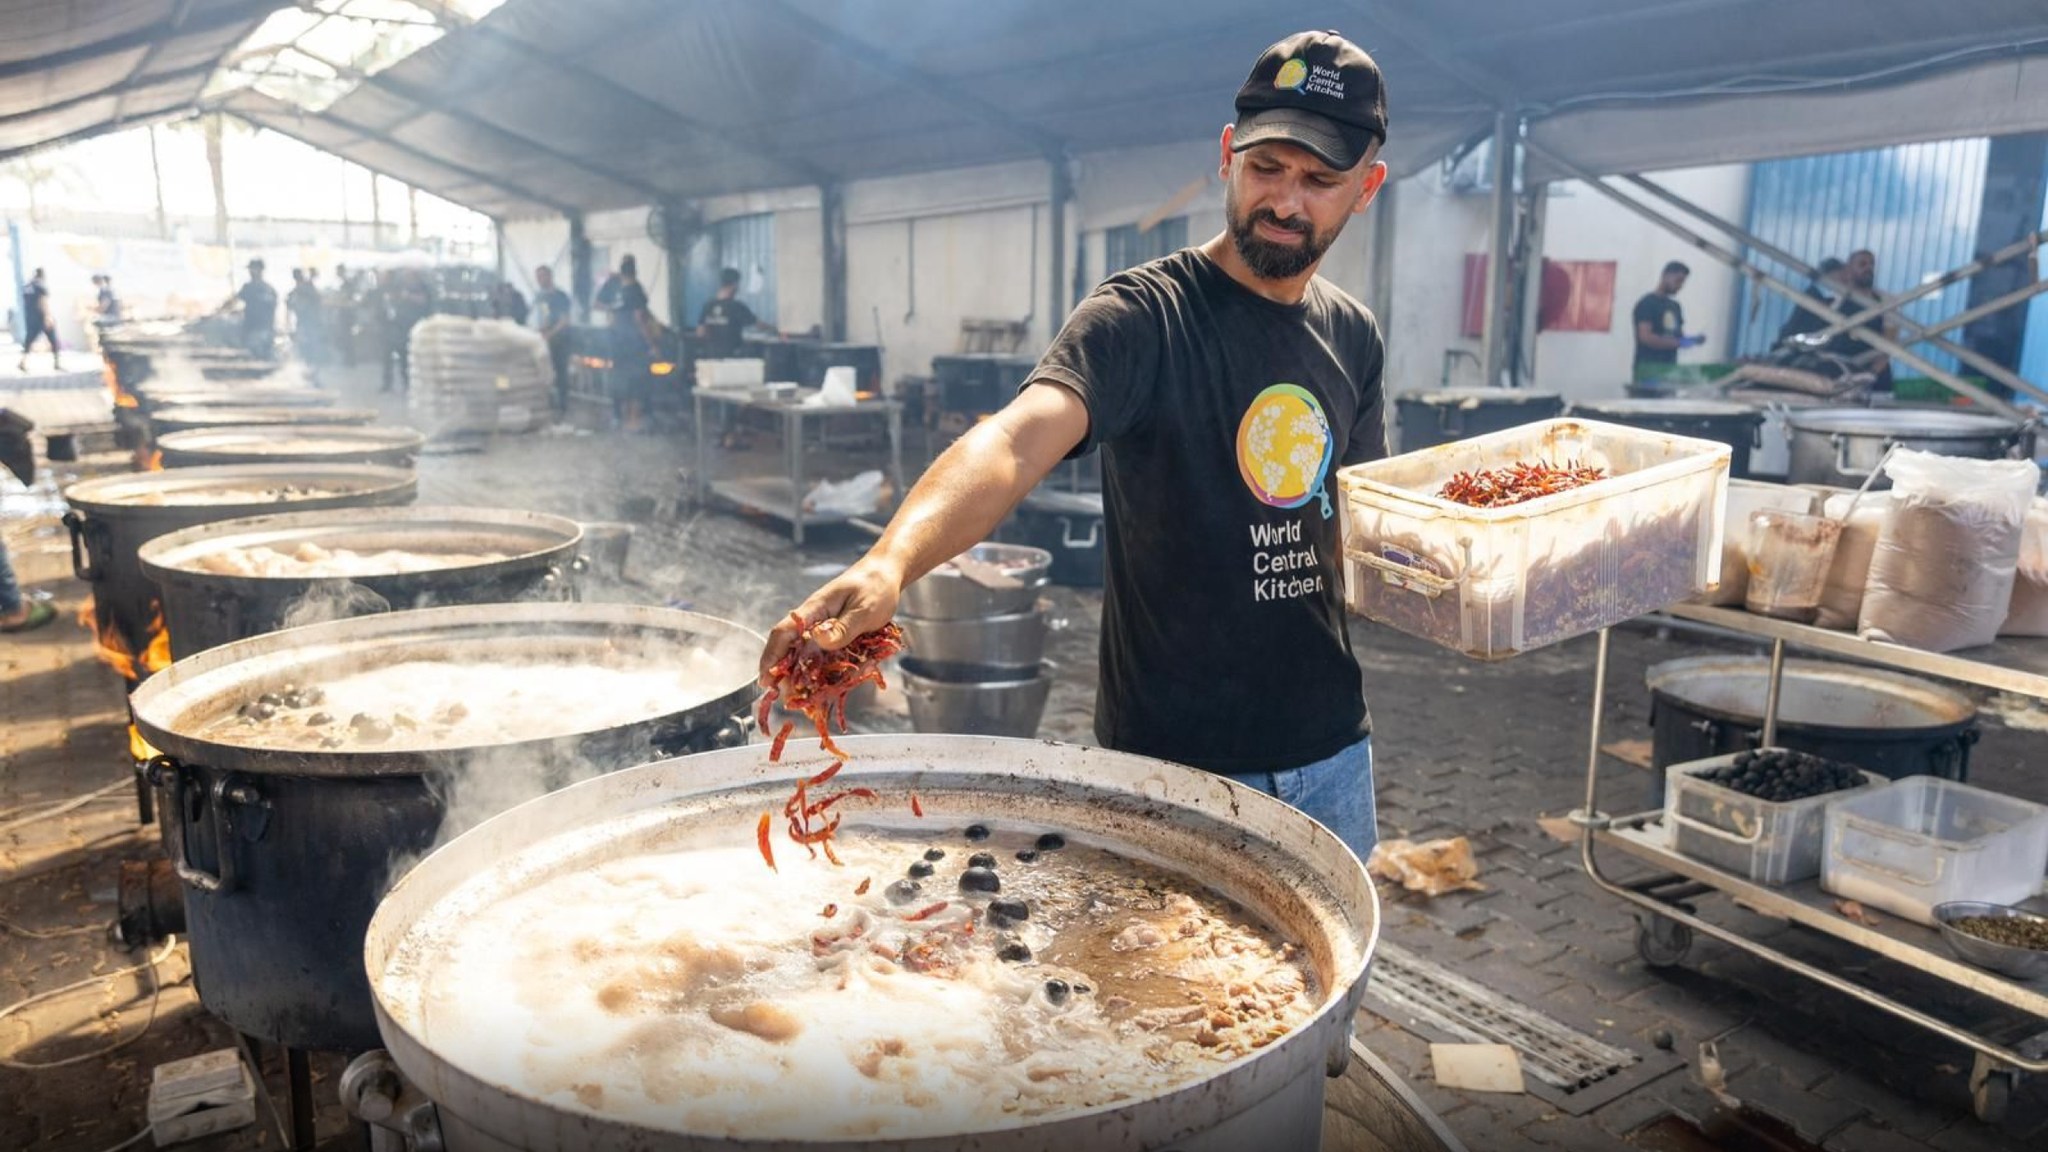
[(1223, 384), (1861, 273), (1660, 324)]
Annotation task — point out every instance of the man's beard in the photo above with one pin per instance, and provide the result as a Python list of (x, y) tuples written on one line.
[(1270, 260)]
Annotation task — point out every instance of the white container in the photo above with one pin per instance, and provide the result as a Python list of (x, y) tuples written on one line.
[(1492, 582), (1767, 841), (1924, 841), (1745, 497), (731, 373)]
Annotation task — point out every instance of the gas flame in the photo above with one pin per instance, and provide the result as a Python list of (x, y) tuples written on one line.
[(114, 652), (124, 400), (155, 463), (661, 368), (138, 747), (84, 615)]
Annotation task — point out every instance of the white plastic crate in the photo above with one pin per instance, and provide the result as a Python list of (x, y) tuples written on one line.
[(1493, 582), (736, 373), (1770, 842), (1924, 841)]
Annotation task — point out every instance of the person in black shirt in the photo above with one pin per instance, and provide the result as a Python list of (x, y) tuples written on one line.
[(1861, 274), (1223, 385), (1826, 289), (1660, 323), (308, 327), (551, 315), (725, 320), (259, 313), (635, 344), (36, 321)]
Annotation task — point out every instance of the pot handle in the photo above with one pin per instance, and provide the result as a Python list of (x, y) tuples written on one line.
[(733, 732), (1701, 826), (1841, 444), (555, 577), (1067, 534), (226, 795), (84, 533)]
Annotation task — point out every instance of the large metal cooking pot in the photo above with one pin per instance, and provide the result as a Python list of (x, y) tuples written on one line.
[(1737, 425), (307, 443), (113, 516), (1014, 641), (204, 608), (1434, 416), (159, 394), (1840, 446), (1251, 848), (284, 854), (945, 594), (1894, 725), (186, 417)]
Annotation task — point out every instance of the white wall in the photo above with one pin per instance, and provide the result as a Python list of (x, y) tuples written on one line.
[(1434, 229), (1585, 225), (529, 243)]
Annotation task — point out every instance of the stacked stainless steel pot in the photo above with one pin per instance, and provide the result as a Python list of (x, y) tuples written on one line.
[(977, 630)]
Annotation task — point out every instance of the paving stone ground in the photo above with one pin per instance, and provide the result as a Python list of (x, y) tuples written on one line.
[(1462, 748)]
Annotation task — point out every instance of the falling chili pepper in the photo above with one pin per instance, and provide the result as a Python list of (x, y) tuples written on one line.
[(815, 682), (761, 837), (916, 809)]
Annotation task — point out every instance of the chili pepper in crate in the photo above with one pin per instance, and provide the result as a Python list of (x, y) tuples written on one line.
[(1517, 483)]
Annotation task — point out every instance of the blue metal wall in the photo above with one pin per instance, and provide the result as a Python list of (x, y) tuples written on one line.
[(1916, 206), (2034, 353)]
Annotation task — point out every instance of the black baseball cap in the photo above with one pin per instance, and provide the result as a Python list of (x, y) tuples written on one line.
[(1317, 90)]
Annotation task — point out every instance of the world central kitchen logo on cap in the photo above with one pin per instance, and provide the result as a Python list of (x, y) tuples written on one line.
[(1292, 74)]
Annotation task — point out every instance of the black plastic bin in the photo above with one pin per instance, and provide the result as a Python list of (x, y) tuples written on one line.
[(1441, 415), (1066, 524)]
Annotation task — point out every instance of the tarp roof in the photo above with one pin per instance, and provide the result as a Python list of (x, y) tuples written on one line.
[(551, 105), (75, 68)]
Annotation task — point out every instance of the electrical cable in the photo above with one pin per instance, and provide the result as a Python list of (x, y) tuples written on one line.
[(156, 990), (132, 1140), (64, 806), (12, 928)]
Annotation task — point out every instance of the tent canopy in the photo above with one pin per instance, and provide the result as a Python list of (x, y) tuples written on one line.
[(76, 68), (547, 106)]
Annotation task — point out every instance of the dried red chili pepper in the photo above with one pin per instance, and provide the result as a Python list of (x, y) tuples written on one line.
[(1517, 483)]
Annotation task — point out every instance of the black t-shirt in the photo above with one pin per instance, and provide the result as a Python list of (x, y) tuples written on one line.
[(259, 305), (35, 305), (628, 342), (1221, 416), (1803, 320), (550, 307), (1665, 318), (724, 322)]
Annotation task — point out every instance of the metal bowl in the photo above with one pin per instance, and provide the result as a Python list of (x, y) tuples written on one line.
[(1008, 707), (1015, 641), (2018, 963), (944, 594)]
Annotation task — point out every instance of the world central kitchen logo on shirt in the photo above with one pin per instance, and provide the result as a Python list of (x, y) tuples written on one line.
[(1284, 449)]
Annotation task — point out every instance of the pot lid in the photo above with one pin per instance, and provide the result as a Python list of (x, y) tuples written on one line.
[(228, 415), (1906, 423), (293, 439), (1474, 397), (406, 692), (1816, 693), (256, 486), (470, 540)]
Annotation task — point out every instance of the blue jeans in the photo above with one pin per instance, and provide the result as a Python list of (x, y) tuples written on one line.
[(10, 592), (1336, 793)]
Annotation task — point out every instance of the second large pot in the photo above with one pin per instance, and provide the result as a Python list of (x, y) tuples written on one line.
[(300, 443), (285, 849), (1882, 722), (1840, 446), (486, 556)]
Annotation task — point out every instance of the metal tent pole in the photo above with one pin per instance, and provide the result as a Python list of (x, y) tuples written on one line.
[(1876, 307), (1495, 360), (1801, 298)]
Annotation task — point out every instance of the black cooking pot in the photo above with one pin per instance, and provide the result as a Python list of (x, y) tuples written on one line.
[(1737, 425), (284, 854), (204, 608), (1442, 415), (1896, 726)]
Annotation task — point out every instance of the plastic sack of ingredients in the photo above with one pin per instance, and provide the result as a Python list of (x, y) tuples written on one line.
[(2029, 613), (1738, 540), (1942, 575), (1841, 600)]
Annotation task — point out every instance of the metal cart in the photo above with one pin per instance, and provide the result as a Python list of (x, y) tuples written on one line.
[(1669, 920), (782, 496)]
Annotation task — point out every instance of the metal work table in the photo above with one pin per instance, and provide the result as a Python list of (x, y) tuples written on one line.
[(1664, 934), (782, 496)]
